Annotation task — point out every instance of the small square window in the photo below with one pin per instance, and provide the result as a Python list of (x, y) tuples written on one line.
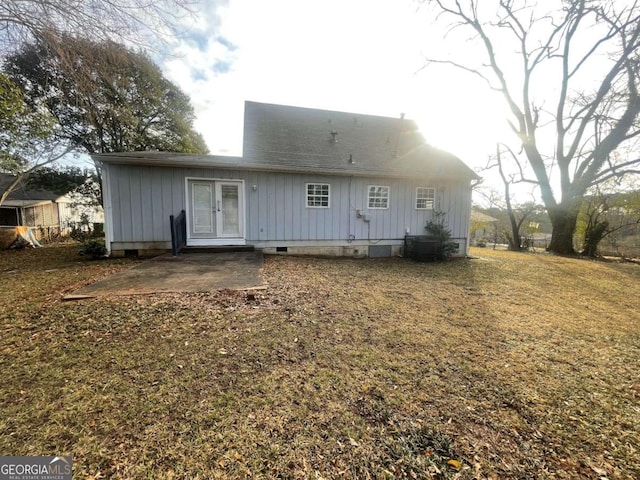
[(318, 195), (378, 196), (425, 198)]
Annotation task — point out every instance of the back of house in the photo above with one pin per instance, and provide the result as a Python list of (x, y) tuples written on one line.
[(309, 181)]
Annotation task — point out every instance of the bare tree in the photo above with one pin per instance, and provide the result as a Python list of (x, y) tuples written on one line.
[(517, 216), (517, 213), (588, 50), (141, 22)]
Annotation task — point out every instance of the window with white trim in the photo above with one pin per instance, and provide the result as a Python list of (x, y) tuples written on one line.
[(378, 196), (318, 195), (425, 198)]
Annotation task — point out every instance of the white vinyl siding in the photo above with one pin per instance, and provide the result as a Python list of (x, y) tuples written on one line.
[(425, 198), (318, 195), (378, 196)]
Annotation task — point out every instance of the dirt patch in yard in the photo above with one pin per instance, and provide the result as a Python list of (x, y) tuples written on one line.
[(193, 272), (524, 366)]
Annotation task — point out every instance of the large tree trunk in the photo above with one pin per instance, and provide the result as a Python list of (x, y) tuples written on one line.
[(515, 239), (592, 238), (563, 221)]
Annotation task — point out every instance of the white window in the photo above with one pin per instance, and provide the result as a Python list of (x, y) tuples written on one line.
[(378, 196), (318, 195), (425, 198)]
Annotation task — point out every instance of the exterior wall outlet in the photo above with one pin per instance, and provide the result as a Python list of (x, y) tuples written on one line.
[(366, 218)]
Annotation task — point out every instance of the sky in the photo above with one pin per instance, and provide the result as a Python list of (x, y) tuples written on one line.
[(360, 56)]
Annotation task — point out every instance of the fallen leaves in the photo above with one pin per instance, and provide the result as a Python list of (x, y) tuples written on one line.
[(365, 369)]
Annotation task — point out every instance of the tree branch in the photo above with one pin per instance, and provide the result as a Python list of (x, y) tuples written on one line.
[(24, 175), (473, 71), (615, 136), (613, 174)]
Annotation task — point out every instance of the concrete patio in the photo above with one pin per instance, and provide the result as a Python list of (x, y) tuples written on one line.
[(190, 272)]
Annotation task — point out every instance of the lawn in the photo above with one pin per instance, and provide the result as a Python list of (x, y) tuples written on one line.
[(511, 365)]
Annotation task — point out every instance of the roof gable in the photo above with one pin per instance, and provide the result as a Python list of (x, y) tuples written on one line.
[(480, 217), (341, 141), (270, 130), (23, 193)]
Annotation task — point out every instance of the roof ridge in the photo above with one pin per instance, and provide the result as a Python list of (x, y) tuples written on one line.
[(322, 110)]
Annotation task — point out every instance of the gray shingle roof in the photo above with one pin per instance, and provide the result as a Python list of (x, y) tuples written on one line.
[(342, 142), (294, 139), (21, 192), (480, 217)]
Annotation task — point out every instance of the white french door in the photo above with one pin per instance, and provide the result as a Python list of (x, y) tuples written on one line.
[(228, 209), (215, 212)]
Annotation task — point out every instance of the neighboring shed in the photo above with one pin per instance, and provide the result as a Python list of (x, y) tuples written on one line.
[(309, 181)]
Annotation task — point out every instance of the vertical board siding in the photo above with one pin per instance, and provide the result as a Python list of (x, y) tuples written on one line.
[(287, 199), (282, 209), (146, 213), (166, 192), (263, 208), (252, 206), (296, 209), (156, 214), (121, 201), (272, 209), (136, 192), (144, 197), (342, 208)]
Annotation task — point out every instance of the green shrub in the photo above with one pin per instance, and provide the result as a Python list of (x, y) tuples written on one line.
[(438, 229), (94, 249), (83, 230)]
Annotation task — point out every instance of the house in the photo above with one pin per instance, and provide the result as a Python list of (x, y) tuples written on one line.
[(309, 181), (48, 213), (483, 228)]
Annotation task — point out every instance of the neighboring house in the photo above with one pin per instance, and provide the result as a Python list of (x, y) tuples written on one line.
[(483, 227), (309, 181), (49, 213)]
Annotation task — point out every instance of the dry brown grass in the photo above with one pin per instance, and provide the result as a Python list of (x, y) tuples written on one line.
[(507, 366)]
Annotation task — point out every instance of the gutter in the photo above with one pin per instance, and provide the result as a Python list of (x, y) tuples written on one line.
[(257, 167)]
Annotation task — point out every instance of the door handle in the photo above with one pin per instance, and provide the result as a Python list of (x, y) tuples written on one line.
[(218, 205)]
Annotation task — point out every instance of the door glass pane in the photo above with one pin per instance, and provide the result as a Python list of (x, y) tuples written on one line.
[(202, 208), (230, 210)]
